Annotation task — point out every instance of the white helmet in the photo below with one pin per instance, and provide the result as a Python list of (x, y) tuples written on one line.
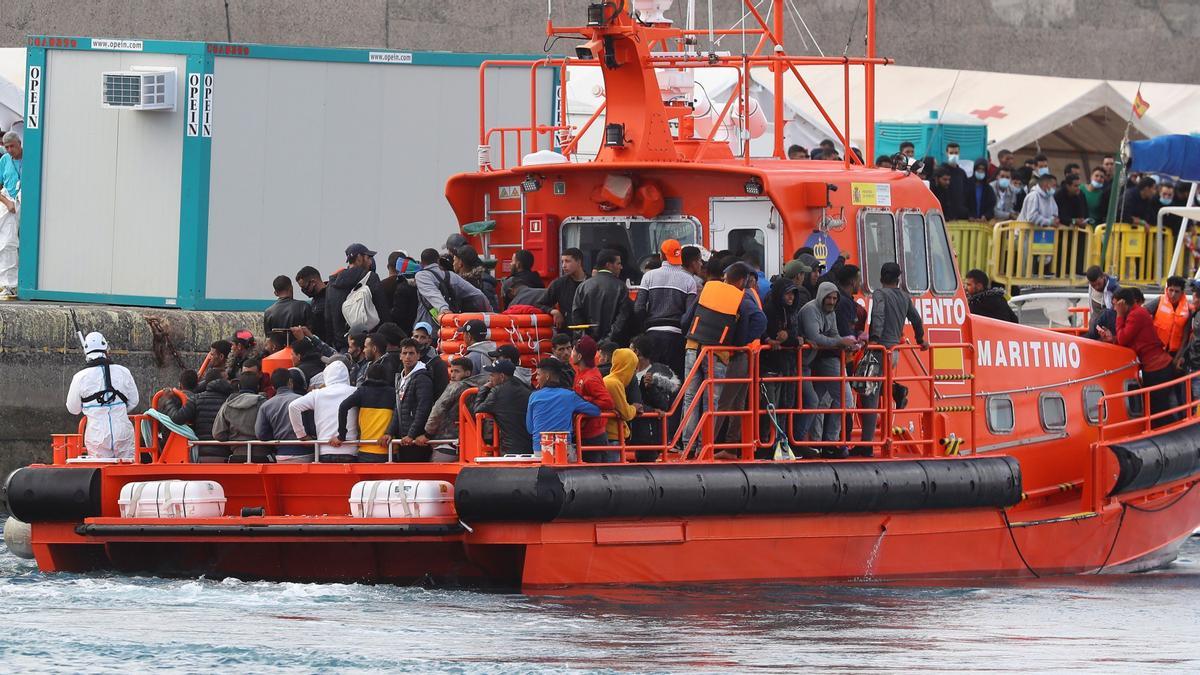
[(95, 343)]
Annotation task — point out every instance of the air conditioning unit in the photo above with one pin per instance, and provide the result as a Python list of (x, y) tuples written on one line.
[(139, 89)]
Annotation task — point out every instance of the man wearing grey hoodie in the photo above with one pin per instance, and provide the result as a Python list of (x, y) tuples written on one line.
[(235, 421), (818, 323)]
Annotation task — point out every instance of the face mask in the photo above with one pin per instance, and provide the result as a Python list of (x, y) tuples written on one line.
[(1096, 185), (1043, 171), (1004, 183), (1051, 191), (952, 159), (1165, 200), (980, 175)]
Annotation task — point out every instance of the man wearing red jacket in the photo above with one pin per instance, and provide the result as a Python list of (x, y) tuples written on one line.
[(1135, 330), (589, 384)]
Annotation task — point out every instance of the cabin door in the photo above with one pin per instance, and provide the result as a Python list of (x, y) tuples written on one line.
[(747, 225)]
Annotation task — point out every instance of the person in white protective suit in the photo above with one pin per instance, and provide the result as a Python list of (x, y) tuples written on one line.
[(105, 393), (10, 213)]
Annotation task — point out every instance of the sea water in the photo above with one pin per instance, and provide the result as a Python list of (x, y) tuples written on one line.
[(112, 623)]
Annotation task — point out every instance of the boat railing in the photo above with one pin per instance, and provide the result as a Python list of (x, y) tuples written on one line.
[(760, 422), (1141, 418)]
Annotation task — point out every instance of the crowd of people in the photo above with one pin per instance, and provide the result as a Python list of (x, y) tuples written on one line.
[(981, 190), (367, 382)]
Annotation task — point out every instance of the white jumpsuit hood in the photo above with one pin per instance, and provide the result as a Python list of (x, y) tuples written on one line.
[(109, 433)]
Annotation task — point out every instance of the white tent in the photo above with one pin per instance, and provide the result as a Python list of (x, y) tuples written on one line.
[(1067, 118), (12, 88)]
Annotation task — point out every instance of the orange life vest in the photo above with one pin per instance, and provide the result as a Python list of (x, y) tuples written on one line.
[(1170, 322)]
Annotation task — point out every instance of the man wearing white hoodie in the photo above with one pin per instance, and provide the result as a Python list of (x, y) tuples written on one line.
[(324, 403)]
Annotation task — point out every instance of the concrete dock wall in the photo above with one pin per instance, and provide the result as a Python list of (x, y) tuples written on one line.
[(39, 353), (1068, 38)]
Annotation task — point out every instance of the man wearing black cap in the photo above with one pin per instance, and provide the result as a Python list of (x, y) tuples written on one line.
[(360, 263), (506, 399), (475, 333), (513, 355)]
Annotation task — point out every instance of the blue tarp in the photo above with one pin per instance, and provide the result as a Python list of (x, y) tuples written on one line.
[(1176, 155)]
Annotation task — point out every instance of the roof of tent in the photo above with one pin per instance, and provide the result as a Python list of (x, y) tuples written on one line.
[(12, 86), (1018, 109)]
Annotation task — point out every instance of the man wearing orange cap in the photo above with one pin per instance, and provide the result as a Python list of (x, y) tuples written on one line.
[(663, 298)]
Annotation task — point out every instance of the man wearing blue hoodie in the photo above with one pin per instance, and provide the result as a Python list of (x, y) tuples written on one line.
[(554, 405)]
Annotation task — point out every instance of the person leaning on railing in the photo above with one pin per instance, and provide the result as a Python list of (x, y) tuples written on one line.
[(1135, 330)]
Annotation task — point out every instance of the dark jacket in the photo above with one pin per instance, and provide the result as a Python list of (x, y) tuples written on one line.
[(781, 317), (237, 417), (1070, 206), (956, 206), (991, 303), (529, 278), (337, 292), (980, 208), (438, 371), (376, 404), (1133, 206), (486, 283), (401, 292), (284, 314), (311, 365), (202, 408), (560, 295), (416, 400), (273, 424), (318, 321), (507, 404), (751, 322), (603, 300)]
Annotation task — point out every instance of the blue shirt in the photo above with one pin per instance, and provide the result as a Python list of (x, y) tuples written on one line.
[(751, 322), (10, 174), (552, 409), (979, 187)]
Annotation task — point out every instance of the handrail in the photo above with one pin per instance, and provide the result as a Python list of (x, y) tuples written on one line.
[(1145, 424)]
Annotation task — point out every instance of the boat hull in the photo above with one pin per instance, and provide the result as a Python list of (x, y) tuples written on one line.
[(1133, 535)]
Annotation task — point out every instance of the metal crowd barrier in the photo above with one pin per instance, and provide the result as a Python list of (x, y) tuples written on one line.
[(971, 242)]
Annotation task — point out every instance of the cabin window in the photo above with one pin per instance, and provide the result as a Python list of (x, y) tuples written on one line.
[(636, 239), (747, 241), (916, 255), (879, 244), (1052, 410), (1133, 404), (945, 279), (1091, 403), (1000, 416)]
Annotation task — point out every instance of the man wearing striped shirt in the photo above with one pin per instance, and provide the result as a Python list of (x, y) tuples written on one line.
[(663, 298)]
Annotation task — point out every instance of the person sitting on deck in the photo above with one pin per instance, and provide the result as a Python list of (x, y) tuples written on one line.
[(324, 404), (513, 355), (237, 417), (218, 356), (624, 367), (273, 424), (441, 429), (171, 400), (201, 411), (984, 300), (244, 347), (475, 337), (553, 406), (375, 401), (1135, 330), (506, 398)]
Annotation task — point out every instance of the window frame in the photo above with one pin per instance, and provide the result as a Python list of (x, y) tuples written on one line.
[(1126, 387), (902, 248), (868, 262), (949, 249), (1052, 396), (987, 414), (1087, 410), (697, 229)]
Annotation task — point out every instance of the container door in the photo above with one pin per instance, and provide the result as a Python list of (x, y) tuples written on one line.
[(747, 225)]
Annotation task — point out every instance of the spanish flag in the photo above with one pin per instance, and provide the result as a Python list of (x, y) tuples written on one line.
[(1140, 106)]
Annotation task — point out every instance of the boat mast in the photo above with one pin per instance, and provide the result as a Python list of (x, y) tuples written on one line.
[(777, 10), (869, 82)]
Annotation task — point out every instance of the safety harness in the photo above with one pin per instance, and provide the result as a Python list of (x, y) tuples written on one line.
[(109, 393)]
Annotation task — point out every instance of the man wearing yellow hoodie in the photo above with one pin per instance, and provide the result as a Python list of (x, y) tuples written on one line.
[(624, 365)]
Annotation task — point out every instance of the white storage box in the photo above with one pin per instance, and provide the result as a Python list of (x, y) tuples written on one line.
[(401, 499), (172, 499)]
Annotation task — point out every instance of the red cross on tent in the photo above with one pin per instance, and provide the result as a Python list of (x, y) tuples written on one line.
[(993, 111)]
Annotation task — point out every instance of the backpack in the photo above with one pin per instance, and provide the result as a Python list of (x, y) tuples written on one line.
[(447, 291), (359, 308)]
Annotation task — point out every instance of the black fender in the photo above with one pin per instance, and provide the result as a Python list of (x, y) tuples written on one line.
[(38, 494), (1155, 460)]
